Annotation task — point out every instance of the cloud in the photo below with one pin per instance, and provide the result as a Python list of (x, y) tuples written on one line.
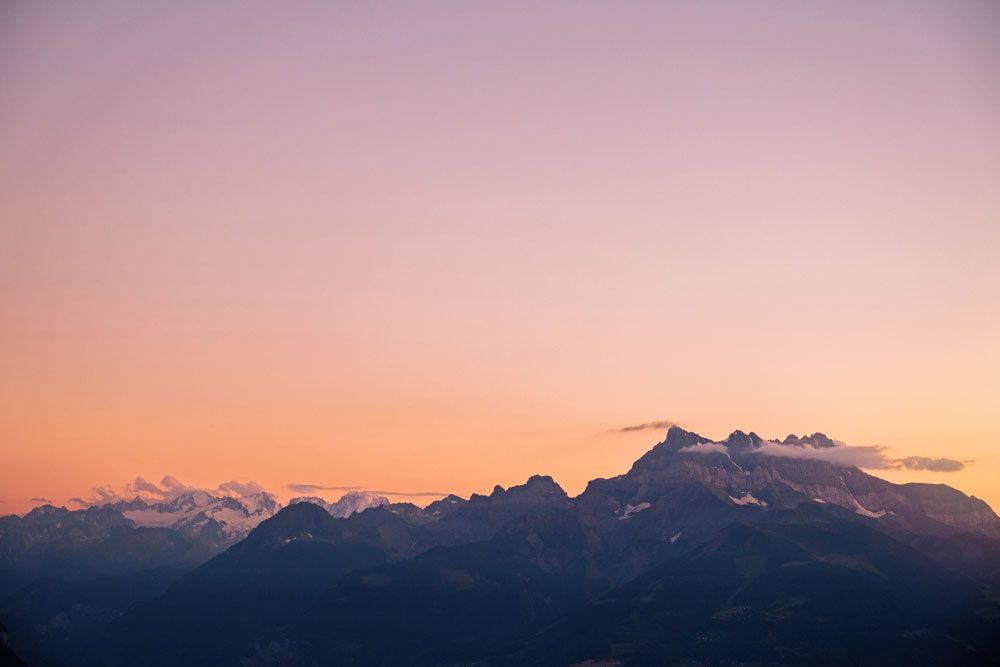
[(863, 457), (410, 494), (241, 489), (314, 488), (142, 486), (654, 426), (41, 500), (168, 489), (104, 494), (870, 457), (174, 487), (928, 463), (99, 495), (705, 448)]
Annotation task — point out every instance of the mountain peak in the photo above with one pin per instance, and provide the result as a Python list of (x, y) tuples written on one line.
[(675, 432), (302, 511), (302, 519), (661, 455), (537, 489), (356, 501), (46, 509), (678, 437), (348, 504), (314, 500), (742, 440), (447, 504), (815, 440)]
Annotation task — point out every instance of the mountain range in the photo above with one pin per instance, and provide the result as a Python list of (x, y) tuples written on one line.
[(348, 504), (704, 552)]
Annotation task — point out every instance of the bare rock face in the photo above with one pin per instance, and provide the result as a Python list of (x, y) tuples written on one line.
[(741, 469), (538, 490)]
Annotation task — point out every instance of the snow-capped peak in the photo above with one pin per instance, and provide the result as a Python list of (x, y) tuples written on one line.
[(235, 516), (348, 504), (228, 513)]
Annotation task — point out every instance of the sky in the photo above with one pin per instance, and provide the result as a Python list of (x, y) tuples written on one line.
[(433, 247)]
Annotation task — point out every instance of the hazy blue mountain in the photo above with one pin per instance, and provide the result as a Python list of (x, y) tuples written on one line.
[(78, 544), (125, 536)]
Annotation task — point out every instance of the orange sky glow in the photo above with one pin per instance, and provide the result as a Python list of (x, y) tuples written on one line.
[(441, 246)]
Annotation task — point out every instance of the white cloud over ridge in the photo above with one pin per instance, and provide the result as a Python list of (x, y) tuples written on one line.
[(168, 488), (872, 457), (705, 448)]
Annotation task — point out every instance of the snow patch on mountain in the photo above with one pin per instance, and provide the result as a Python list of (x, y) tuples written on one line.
[(193, 512), (631, 510), (748, 499), (224, 514), (864, 511), (356, 501)]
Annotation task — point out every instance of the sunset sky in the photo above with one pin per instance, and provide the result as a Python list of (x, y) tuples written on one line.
[(433, 247)]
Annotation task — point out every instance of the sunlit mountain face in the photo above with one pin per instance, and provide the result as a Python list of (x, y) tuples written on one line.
[(740, 551)]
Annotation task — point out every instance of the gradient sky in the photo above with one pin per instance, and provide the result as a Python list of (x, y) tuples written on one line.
[(440, 246)]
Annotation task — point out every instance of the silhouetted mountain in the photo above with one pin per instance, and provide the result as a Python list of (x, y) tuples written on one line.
[(481, 517), (484, 594), (445, 505), (7, 656), (798, 591), (781, 587), (703, 552), (53, 618), (217, 610)]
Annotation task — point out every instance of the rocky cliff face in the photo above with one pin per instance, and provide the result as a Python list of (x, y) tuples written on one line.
[(741, 470)]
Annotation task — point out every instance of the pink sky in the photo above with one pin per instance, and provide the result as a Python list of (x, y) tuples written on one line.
[(447, 245)]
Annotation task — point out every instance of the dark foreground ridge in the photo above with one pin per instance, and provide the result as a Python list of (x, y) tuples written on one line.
[(715, 553)]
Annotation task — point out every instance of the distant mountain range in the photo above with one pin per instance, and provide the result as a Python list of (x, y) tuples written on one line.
[(349, 503), (718, 553)]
